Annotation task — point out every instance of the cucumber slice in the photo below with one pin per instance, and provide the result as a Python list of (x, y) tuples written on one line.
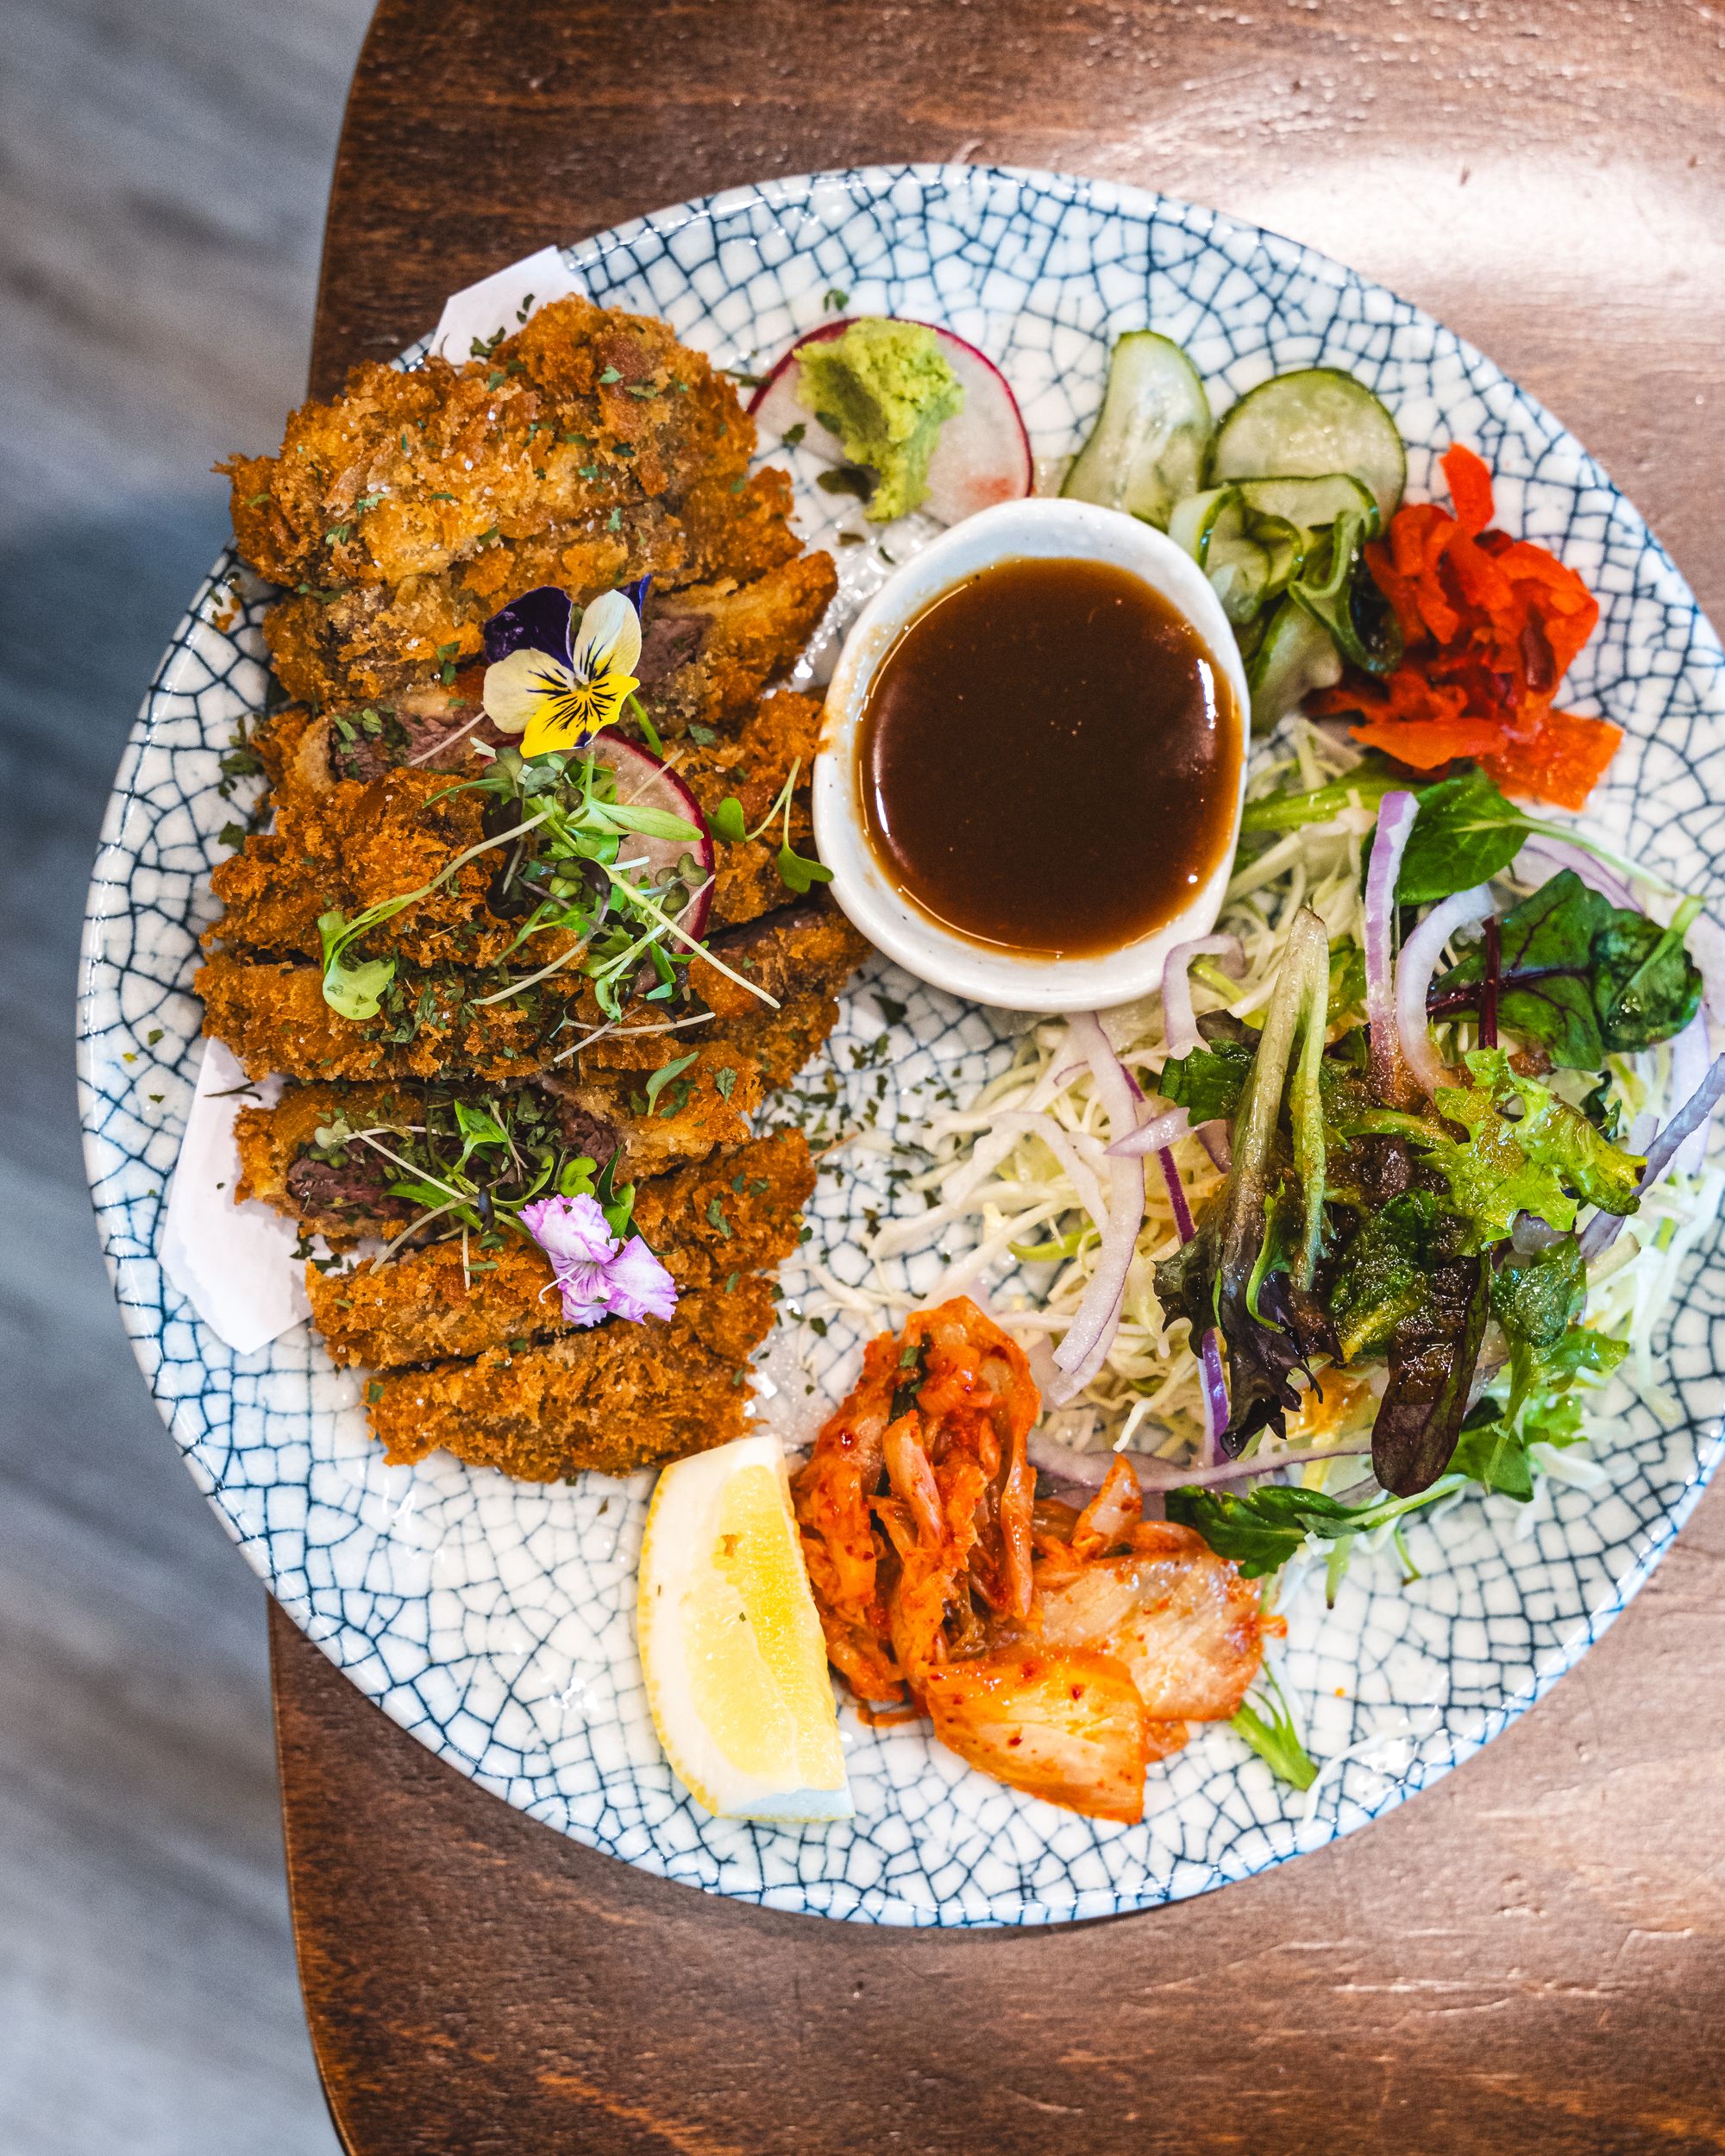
[(1312, 424), (1250, 557), (1189, 524), (1147, 448), (1297, 654), (1337, 592), (1311, 503)]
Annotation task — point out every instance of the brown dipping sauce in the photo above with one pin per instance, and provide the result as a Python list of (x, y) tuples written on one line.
[(1049, 758)]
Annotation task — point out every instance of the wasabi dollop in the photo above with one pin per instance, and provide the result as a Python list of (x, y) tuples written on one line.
[(885, 389)]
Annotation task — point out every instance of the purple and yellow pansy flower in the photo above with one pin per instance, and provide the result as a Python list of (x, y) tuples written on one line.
[(557, 684)]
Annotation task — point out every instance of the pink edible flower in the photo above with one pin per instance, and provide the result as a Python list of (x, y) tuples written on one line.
[(599, 1277)]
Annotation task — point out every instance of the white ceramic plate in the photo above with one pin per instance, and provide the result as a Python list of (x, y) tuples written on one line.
[(493, 1618)]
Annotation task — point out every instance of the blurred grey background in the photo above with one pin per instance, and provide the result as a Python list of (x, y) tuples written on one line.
[(162, 179)]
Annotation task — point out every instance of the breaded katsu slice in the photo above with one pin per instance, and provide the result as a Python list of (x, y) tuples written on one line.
[(707, 650), (328, 1155), (753, 766), (410, 473), (355, 845), (355, 822), (588, 450), (704, 1105), (435, 1025), (432, 1024), (802, 955), (712, 1225), (616, 1399), (735, 639)]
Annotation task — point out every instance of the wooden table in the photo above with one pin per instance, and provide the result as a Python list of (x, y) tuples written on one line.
[(1532, 1954)]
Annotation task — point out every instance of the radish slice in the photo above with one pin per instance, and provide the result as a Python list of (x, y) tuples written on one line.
[(643, 782), (983, 454)]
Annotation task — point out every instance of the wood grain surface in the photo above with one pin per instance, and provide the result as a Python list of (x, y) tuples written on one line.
[(1531, 1955)]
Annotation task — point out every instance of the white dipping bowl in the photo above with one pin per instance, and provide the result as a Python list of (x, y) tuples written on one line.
[(985, 973)]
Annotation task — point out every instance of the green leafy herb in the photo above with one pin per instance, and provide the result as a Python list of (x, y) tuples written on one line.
[(1366, 784), (1646, 986), (727, 822), (1465, 833), (1582, 977), (1493, 1452), (1220, 1278), (663, 1077), (834, 302), (1384, 1274), (1490, 1175), (1432, 1356), (1274, 1738), (610, 376), (798, 873), (1536, 1299), (1209, 1081), (1262, 1528), (1551, 1133)]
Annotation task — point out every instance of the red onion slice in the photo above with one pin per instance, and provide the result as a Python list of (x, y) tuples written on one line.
[(1179, 1025), (1151, 1137), (1215, 1386), (1418, 962), (1090, 1471), (1097, 1318), (1395, 817), (1601, 1232), (1217, 1140), (1559, 854), (1688, 1062)]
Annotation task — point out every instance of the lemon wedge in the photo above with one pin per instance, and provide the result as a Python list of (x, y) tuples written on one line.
[(731, 1643)]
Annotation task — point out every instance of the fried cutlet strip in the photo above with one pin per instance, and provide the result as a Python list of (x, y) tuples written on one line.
[(711, 1225), (739, 1211), (803, 955), (704, 1105), (740, 638), (708, 650), (707, 1106), (753, 766), (615, 1399), (352, 846), (338, 842), (403, 513), (408, 475), (336, 1202), (274, 1018)]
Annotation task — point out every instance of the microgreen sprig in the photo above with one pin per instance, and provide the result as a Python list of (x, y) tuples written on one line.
[(796, 870)]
